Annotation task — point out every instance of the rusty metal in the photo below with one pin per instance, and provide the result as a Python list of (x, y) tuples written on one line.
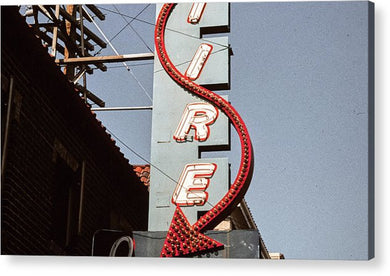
[(106, 59)]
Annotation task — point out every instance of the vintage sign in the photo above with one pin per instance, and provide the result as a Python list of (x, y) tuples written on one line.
[(184, 124), (193, 189)]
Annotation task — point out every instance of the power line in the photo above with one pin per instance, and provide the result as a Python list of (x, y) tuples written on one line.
[(167, 29), (129, 24), (188, 61), (148, 162), (124, 27), (140, 156), (121, 66), (131, 21), (117, 53)]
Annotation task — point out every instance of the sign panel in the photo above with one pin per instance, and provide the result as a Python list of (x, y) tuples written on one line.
[(200, 211), (183, 122)]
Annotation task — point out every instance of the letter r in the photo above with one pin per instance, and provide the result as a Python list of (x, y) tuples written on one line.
[(197, 116)]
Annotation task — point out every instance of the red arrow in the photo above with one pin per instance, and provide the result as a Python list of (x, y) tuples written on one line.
[(183, 241)]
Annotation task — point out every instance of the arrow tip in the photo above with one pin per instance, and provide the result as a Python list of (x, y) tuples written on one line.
[(184, 241)]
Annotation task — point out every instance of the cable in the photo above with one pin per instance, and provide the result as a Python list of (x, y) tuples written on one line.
[(129, 24), (179, 64), (124, 27), (117, 53), (167, 29), (140, 156), (121, 66), (39, 132), (148, 162)]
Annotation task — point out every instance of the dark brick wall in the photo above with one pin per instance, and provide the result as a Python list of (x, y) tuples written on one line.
[(49, 122)]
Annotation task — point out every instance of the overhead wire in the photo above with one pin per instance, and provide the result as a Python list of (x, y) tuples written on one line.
[(188, 61), (124, 27), (131, 21), (150, 163), (129, 24), (167, 29), (121, 66), (124, 63)]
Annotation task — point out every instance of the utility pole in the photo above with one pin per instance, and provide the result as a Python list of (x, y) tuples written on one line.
[(68, 69), (71, 42)]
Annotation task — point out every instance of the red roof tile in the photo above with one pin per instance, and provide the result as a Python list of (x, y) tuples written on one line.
[(143, 172)]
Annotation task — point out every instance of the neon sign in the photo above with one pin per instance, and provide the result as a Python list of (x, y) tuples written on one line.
[(184, 239)]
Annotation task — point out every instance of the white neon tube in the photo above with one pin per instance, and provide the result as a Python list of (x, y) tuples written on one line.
[(198, 62), (196, 13)]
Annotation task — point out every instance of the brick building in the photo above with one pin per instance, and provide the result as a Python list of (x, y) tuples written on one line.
[(63, 178)]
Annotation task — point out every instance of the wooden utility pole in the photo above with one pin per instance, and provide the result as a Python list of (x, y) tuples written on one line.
[(106, 59), (69, 70), (55, 34), (72, 40)]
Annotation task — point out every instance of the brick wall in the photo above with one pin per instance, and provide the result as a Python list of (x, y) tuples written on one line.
[(49, 126)]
